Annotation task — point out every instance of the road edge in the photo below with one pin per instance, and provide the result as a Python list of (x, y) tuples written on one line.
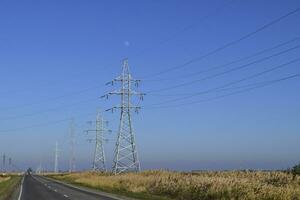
[(16, 193), (88, 190), (21, 188)]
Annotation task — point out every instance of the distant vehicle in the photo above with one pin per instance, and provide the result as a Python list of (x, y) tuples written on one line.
[(29, 171)]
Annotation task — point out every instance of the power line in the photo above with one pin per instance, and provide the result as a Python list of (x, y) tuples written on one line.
[(52, 98), (229, 44), (50, 83), (228, 63), (215, 11), (87, 89), (42, 124), (216, 90), (225, 72), (84, 90), (189, 27), (256, 86), (49, 110), (230, 83), (167, 88), (36, 125)]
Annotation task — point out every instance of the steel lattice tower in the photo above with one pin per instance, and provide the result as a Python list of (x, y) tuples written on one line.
[(9, 164), (99, 154), (3, 162), (125, 155), (56, 158)]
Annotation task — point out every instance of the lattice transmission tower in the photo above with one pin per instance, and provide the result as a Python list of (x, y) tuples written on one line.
[(125, 155), (99, 153), (9, 164), (3, 162), (56, 152)]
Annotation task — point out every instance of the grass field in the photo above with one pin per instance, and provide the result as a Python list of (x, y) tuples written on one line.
[(8, 185), (163, 185)]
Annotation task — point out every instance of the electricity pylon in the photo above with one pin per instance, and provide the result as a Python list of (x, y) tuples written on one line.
[(126, 155), (56, 158), (72, 147), (99, 154), (3, 162), (9, 164), (39, 169)]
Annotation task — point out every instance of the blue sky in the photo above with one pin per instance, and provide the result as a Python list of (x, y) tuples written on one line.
[(56, 56)]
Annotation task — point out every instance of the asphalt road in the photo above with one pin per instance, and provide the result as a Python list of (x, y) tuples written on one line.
[(39, 188)]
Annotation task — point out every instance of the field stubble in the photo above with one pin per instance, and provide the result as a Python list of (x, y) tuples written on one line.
[(226, 185)]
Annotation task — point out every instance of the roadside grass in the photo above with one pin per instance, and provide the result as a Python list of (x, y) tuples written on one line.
[(122, 191), (7, 186), (166, 185)]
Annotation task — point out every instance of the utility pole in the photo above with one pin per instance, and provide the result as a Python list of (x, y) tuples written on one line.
[(56, 158), (99, 154), (126, 155), (72, 147)]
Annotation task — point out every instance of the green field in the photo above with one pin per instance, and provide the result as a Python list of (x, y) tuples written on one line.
[(7, 186), (162, 185)]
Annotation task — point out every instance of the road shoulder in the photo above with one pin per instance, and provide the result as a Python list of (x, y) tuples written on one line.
[(16, 193), (13, 189), (88, 190)]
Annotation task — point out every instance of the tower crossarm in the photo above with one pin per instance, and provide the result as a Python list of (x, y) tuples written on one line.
[(131, 107), (124, 92)]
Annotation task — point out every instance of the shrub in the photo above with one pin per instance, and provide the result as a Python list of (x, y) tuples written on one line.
[(296, 170)]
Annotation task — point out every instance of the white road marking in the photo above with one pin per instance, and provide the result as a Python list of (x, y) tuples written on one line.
[(49, 187), (21, 189)]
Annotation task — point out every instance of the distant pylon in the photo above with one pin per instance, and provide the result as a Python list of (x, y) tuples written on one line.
[(126, 155), (9, 164), (39, 169), (3, 162), (99, 154), (72, 147), (56, 158)]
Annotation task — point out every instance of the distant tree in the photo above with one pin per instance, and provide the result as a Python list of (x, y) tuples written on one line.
[(296, 170)]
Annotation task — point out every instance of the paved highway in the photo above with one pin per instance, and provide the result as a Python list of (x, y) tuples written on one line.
[(39, 188)]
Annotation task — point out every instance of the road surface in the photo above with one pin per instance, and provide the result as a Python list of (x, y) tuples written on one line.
[(39, 188)]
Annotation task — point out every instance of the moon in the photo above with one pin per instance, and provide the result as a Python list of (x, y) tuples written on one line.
[(126, 43)]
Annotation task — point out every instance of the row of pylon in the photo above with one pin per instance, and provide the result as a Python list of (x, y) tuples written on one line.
[(125, 153)]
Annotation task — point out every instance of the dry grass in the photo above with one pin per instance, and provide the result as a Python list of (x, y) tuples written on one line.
[(234, 185), (2, 179), (7, 186)]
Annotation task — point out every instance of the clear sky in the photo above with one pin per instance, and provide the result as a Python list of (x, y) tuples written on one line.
[(56, 56)]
